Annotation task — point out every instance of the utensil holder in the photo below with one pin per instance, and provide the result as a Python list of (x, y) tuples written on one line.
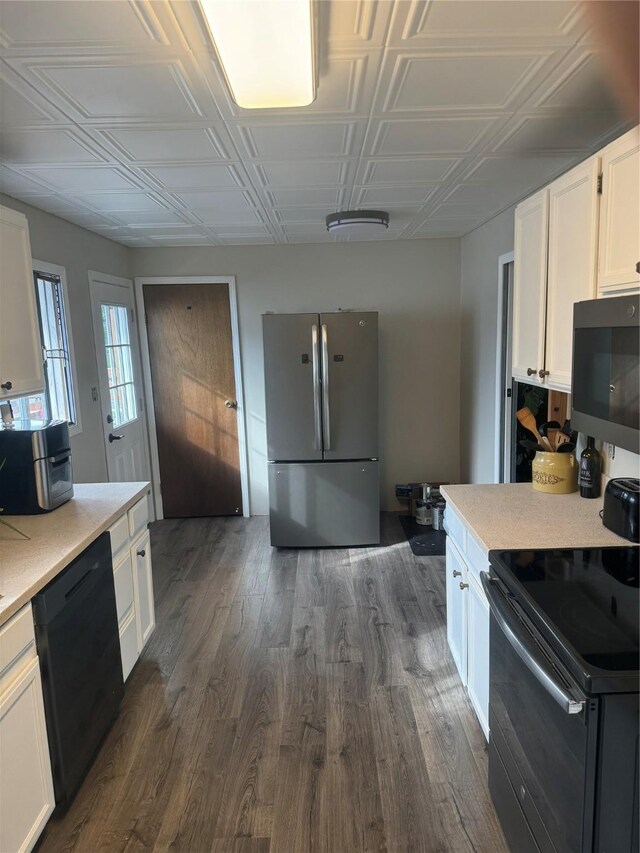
[(555, 473)]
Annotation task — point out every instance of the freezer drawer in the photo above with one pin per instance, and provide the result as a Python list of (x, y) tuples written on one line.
[(320, 504)]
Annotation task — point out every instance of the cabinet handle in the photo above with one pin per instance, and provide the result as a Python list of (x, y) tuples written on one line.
[(638, 267), (464, 585), (531, 371), (7, 386), (543, 373), (457, 574), (141, 553)]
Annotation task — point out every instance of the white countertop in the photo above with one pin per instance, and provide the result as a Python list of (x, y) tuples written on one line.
[(56, 538), (513, 515)]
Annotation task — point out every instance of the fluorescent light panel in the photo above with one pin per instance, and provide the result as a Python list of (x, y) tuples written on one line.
[(266, 48)]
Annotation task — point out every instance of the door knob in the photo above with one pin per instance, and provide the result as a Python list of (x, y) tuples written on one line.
[(457, 574), (113, 438), (231, 404), (531, 371), (464, 585), (543, 373), (7, 386), (109, 419), (141, 553)]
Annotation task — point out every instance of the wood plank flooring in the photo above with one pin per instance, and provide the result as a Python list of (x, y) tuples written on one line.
[(288, 702)]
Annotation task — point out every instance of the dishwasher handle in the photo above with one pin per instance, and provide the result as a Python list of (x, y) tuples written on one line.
[(525, 648)]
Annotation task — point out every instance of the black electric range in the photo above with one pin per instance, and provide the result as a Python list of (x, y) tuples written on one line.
[(564, 702)]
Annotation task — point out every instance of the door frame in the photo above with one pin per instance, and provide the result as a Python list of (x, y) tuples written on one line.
[(96, 278), (502, 452), (230, 281)]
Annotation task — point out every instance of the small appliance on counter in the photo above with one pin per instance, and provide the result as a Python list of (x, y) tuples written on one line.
[(621, 509), (36, 476)]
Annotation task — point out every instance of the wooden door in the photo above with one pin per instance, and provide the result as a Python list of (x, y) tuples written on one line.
[(191, 360), (572, 264), (529, 288)]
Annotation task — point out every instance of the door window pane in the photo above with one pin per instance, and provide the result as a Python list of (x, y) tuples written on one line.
[(117, 345)]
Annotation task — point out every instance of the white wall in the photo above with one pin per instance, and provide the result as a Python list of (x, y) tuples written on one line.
[(60, 242), (479, 328), (415, 285)]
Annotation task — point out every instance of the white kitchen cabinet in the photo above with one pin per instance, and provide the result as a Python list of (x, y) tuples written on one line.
[(530, 286), (478, 652), (456, 583), (21, 362), (143, 588), (572, 263), (133, 580), (555, 261), (26, 786), (468, 613), (619, 237)]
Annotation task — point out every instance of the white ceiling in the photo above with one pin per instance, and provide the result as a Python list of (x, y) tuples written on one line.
[(115, 116)]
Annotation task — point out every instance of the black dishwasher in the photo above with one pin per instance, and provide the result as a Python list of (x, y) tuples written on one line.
[(76, 626)]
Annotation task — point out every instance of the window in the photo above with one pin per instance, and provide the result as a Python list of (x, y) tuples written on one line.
[(117, 346), (58, 399)]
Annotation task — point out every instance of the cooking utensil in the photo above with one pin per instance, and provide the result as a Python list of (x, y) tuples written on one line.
[(552, 435), (567, 447), (528, 421), (544, 428), (532, 445)]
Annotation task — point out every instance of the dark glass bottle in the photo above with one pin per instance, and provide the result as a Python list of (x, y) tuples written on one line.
[(590, 468)]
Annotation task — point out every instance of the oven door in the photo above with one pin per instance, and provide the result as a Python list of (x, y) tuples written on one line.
[(543, 736)]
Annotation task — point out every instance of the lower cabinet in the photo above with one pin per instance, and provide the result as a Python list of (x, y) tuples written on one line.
[(468, 615), (133, 579), (26, 787)]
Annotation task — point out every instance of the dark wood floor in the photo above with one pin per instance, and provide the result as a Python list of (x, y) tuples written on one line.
[(288, 701)]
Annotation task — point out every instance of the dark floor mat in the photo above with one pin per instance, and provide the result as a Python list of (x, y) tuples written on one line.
[(424, 541)]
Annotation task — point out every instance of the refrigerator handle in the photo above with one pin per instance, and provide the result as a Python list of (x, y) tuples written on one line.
[(317, 414), (326, 415)]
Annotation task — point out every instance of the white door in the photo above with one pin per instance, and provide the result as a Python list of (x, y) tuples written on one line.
[(530, 287), (119, 374), (456, 588), (478, 652), (571, 276)]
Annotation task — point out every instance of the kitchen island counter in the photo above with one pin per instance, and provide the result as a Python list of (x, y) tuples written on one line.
[(513, 515), (56, 538)]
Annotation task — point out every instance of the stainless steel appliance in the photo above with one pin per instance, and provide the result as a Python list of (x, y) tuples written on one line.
[(605, 386), (76, 627), (37, 475), (563, 703), (621, 507), (321, 385)]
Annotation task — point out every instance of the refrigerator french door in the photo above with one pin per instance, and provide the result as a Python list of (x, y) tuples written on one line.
[(321, 387)]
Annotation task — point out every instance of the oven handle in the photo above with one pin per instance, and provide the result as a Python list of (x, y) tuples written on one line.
[(526, 655)]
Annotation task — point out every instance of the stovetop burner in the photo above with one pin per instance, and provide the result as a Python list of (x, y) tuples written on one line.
[(589, 596)]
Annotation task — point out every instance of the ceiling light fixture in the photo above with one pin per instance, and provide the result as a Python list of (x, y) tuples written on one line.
[(360, 221), (266, 49)]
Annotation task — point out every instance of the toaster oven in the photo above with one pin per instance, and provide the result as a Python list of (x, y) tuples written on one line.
[(36, 476)]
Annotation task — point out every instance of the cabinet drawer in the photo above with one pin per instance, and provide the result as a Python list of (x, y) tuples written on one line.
[(17, 642), (119, 533), (138, 516), (128, 644), (455, 528), (123, 580)]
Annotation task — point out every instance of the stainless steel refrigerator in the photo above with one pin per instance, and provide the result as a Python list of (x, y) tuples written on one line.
[(321, 385)]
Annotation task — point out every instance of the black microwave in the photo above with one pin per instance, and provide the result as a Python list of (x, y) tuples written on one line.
[(605, 386)]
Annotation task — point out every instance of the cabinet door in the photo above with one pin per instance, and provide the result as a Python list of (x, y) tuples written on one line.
[(26, 788), (143, 589), (571, 277), (530, 287), (478, 653), (21, 361), (619, 238), (457, 608)]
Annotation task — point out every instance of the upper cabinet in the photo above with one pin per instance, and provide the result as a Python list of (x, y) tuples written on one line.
[(555, 249), (619, 243), (571, 266), (530, 286), (21, 363)]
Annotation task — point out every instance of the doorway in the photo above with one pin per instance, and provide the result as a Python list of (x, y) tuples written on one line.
[(119, 378), (504, 432), (193, 383)]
